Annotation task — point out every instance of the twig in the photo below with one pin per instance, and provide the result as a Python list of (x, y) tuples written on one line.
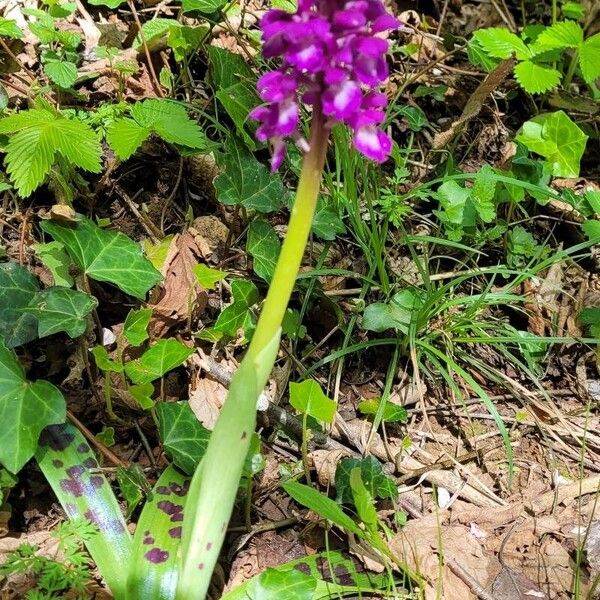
[(149, 227), (468, 579)]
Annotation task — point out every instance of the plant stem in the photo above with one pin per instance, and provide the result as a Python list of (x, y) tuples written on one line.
[(571, 71)]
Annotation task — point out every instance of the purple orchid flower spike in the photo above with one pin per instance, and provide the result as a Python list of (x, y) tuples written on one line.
[(331, 56)]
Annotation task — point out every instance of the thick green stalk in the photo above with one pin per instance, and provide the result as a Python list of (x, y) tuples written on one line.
[(215, 484)]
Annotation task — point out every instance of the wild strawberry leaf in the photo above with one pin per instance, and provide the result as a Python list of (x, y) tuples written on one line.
[(589, 58), (498, 42), (564, 34), (61, 72), (71, 468), (536, 79), (105, 255)]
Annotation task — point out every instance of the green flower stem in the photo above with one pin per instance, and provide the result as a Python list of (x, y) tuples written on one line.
[(216, 481)]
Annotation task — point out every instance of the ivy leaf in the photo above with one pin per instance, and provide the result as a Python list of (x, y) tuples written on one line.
[(26, 407), (564, 34), (227, 68), (135, 328), (183, 436), (104, 362), (161, 358), (105, 255), (61, 72), (558, 139), (377, 483), (535, 78), (54, 257), (392, 413), (498, 42), (245, 181), (326, 223), (263, 245), (238, 315), (110, 3), (308, 398), (203, 6), (238, 100), (273, 584), (589, 58), (208, 277)]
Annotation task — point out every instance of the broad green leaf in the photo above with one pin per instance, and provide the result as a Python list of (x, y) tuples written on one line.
[(377, 483), (154, 565), (208, 277), (479, 57), (536, 79), (234, 317), (63, 73), (54, 257), (61, 309), (105, 255), (143, 395), (363, 501), (125, 136), (104, 362), (238, 100), (573, 10), (392, 413), (274, 584), (203, 6), (564, 34), (136, 324), (244, 292), (184, 40), (161, 358), (326, 223), (110, 3), (245, 181), (483, 193), (10, 29), (292, 325), (157, 253), (520, 244), (589, 58), (322, 505), (395, 314), (414, 116), (133, 485), (558, 139), (308, 398), (498, 42), (26, 407), (153, 30), (263, 245), (74, 474), (182, 435), (591, 318), (227, 68), (453, 199), (591, 228)]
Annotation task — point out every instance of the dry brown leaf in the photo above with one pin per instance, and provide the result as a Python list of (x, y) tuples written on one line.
[(325, 463), (211, 234), (510, 585), (206, 400), (423, 544), (182, 296)]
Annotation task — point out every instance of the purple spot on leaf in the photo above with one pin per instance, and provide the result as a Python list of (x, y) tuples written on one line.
[(58, 464), (157, 556), (163, 490), (175, 532), (90, 463), (72, 486), (76, 471), (96, 481), (148, 539), (175, 511), (82, 448), (57, 437), (208, 546), (180, 490), (303, 568), (201, 566)]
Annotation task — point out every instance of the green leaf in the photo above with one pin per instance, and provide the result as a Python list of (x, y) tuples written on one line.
[(183, 40), (591, 228), (392, 413), (483, 193), (377, 483), (63, 73), (479, 57), (154, 564), (453, 199), (234, 317), (153, 30), (558, 139), (125, 136), (208, 277), (203, 6), (322, 505), (10, 29), (104, 362), (26, 407), (238, 100), (498, 42), (573, 10), (227, 68), (105, 255), (136, 324), (161, 358), (74, 474), (326, 223), (55, 258), (564, 34), (245, 181), (520, 243), (132, 483), (143, 395), (363, 501), (589, 58), (395, 314), (536, 79), (110, 3), (414, 116), (182, 435), (308, 398), (263, 245), (274, 584)]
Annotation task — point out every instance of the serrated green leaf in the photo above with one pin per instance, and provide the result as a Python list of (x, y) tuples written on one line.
[(153, 30), (208, 277), (161, 358), (377, 483), (479, 57), (498, 42), (75, 476), (558, 139), (245, 181), (203, 6), (136, 324), (105, 255), (183, 436), (483, 193), (564, 34), (63, 73), (308, 398), (125, 136), (10, 29), (263, 245), (535, 78), (26, 407), (589, 59), (55, 258)]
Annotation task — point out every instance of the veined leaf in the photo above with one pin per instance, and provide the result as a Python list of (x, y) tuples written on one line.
[(273, 584), (263, 245), (377, 483), (53, 255), (499, 42), (10, 29), (589, 58), (536, 79), (125, 136), (308, 398), (105, 255), (153, 572), (135, 328), (73, 472), (161, 358), (61, 72), (564, 34)]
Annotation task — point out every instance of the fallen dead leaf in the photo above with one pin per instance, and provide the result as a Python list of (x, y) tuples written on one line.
[(510, 585), (325, 463)]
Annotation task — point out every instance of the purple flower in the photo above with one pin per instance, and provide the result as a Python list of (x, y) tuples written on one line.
[(331, 56)]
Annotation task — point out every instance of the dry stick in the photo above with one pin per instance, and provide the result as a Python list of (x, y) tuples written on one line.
[(469, 580), (136, 18), (150, 228), (113, 458), (10, 53)]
